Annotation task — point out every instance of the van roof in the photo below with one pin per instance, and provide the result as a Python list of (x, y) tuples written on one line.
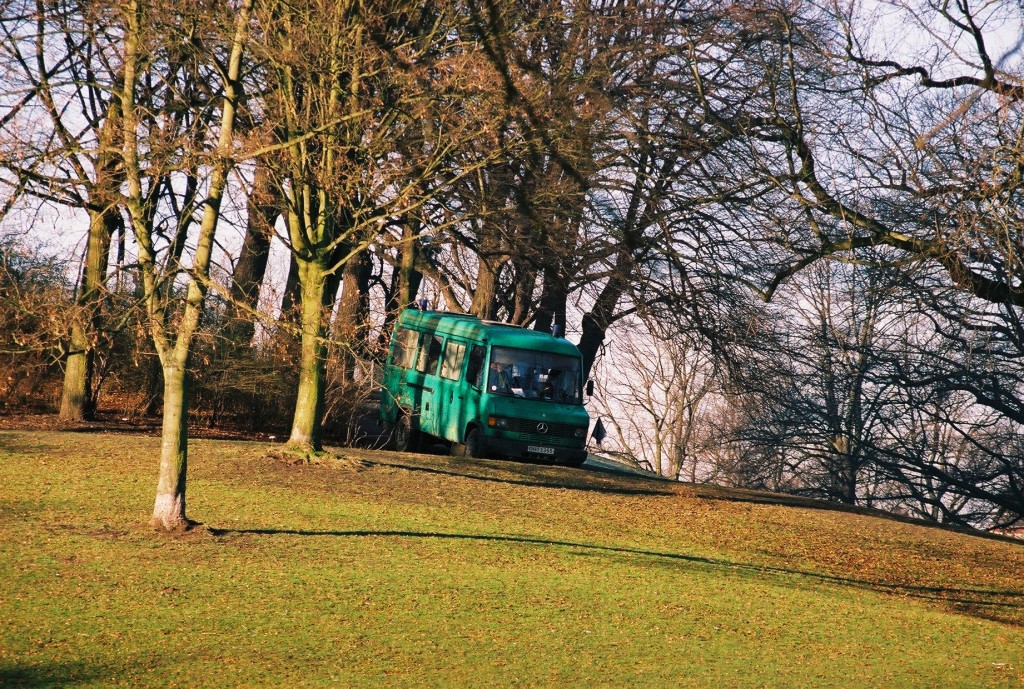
[(472, 328)]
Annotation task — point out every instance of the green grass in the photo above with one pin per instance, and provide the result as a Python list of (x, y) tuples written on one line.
[(389, 570)]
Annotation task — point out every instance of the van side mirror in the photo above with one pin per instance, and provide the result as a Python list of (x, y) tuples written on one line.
[(590, 388)]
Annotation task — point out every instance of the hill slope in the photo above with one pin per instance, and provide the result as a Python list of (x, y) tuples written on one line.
[(378, 569)]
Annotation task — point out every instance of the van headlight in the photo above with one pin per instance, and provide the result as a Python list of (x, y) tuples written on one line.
[(580, 432), (497, 422)]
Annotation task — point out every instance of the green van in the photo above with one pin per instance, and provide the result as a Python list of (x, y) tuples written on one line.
[(491, 389)]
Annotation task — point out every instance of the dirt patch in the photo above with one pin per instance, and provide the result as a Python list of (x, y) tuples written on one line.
[(293, 457)]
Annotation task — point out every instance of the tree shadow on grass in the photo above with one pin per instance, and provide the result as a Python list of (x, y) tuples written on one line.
[(1000, 605), (564, 482), (741, 495), (15, 442), (45, 675), (599, 479)]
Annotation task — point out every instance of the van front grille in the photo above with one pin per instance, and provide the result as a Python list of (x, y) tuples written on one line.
[(533, 431)]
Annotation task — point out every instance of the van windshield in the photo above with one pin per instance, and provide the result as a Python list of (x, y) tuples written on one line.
[(535, 375)]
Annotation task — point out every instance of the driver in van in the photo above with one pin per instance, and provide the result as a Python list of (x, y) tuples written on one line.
[(500, 377)]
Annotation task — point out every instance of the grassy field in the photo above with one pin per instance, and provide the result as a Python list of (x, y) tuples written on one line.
[(376, 569)]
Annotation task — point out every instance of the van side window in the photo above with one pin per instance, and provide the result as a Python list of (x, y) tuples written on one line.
[(476, 366), (405, 348), (451, 364), (430, 353)]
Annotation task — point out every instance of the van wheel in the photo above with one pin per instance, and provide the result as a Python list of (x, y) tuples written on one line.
[(473, 444), (407, 438)]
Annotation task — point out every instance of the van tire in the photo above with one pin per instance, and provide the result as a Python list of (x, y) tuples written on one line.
[(473, 444), (407, 438)]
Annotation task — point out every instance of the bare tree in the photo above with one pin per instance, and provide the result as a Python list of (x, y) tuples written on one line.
[(360, 134), (169, 65), (61, 59), (841, 321), (263, 208), (655, 397), (846, 150), (956, 437)]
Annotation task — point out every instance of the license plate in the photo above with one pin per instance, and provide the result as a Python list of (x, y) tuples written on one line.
[(536, 449)]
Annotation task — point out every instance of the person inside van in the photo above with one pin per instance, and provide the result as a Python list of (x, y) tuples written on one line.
[(500, 378)]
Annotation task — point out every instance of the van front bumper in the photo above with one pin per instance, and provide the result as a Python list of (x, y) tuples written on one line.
[(533, 449)]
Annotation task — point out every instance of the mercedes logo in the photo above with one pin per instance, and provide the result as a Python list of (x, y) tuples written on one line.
[(542, 428)]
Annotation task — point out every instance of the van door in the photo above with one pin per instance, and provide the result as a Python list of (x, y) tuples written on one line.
[(464, 402), (427, 364), (447, 395)]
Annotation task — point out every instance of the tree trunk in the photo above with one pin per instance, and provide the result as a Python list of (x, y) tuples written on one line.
[(552, 307), (169, 508), (405, 284), (408, 277), (309, 400), (597, 321), (485, 295), (333, 279), (246, 283), (525, 281), (74, 398), (154, 384), (78, 402), (350, 325), (292, 290)]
